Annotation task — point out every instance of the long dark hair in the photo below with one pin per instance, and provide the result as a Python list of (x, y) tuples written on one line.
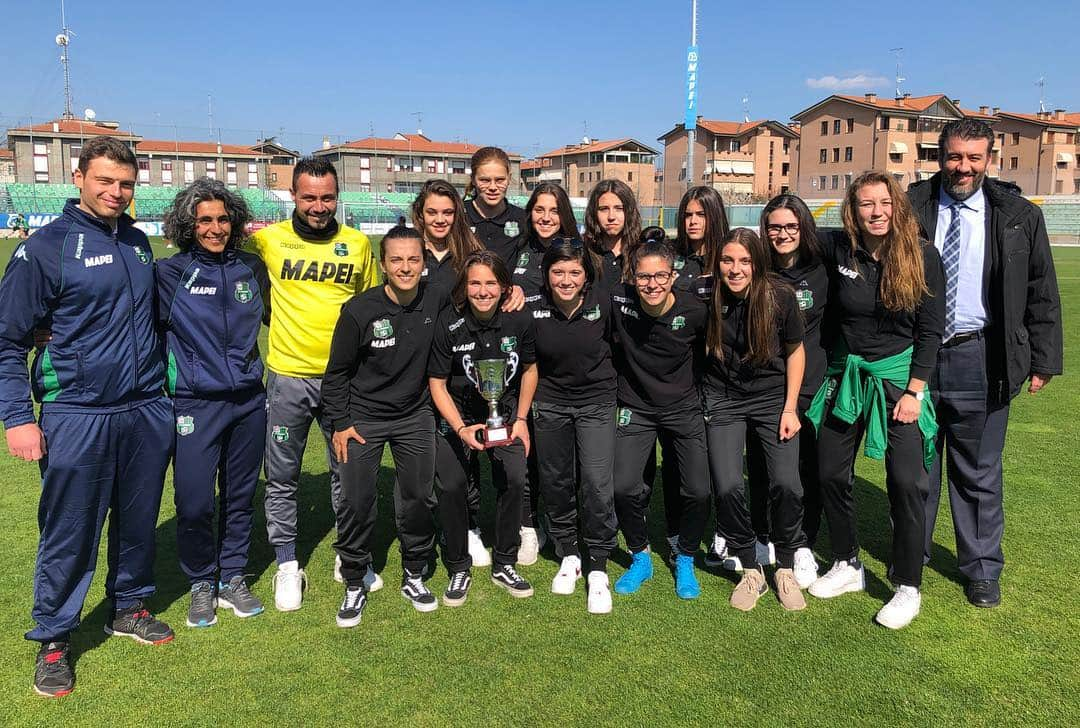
[(594, 231), (809, 247), (459, 296), (762, 301), (567, 223), (460, 241), (716, 223), (564, 250)]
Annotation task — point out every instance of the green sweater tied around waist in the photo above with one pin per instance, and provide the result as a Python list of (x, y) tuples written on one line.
[(860, 392)]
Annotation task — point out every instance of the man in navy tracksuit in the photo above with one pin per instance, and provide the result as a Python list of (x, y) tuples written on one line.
[(212, 301), (105, 433)]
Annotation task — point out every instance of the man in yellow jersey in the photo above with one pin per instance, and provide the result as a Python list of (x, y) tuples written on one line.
[(315, 266)]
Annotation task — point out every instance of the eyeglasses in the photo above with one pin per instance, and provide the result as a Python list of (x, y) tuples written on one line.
[(792, 228), (497, 183), (662, 278)]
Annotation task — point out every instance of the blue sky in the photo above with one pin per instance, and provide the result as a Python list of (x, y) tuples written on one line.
[(525, 75)]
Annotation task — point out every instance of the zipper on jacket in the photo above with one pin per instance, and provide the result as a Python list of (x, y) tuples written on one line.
[(131, 317), (225, 324)]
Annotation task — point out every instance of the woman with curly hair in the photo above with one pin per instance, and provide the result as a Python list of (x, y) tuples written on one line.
[(212, 300)]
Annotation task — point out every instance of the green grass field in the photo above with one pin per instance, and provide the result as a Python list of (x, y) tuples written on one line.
[(653, 661)]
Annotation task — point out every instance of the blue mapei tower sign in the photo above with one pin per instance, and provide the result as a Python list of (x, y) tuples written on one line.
[(691, 87)]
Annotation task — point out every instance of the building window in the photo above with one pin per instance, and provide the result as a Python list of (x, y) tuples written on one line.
[(848, 153), (836, 126), (1016, 137), (851, 126), (899, 124), (166, 172), (389, 167), (823, 156), (1014, 162), (230, 173), (784, 167), (365, 188), (1058, 187), (896, 158), (847, 180), (824, 128), (629, 176), (41, 162), (821, 182), (836, 154), (1001, 140), (365, 162), (928, 154), (211, 170), (1062, 165), (581, 178), (74, 151), (253, 174), (735, 146), (884, 122), (429, 166), (835, 181), (786, 145), (457, 166), (189, 172), (144, 171)]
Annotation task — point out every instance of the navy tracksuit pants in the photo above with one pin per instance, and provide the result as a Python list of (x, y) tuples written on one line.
[(217, 441), (98, 460)]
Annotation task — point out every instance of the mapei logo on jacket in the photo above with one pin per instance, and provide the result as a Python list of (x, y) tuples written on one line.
[(243, 293), (203, 290), (541, 313), (303, 270), (95, 260), (465, 347), (853, 274), (341, 250)]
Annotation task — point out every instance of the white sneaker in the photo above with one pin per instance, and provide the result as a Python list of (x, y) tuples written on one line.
[(599, 593), (840, 579), (901, 609), (479, 554), (805, 567), (569, 572), (289, 582), (717, 552), (372, 581), (529, 550), (765, 553)]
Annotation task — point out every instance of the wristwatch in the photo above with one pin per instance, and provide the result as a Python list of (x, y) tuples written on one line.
[(917, 395)]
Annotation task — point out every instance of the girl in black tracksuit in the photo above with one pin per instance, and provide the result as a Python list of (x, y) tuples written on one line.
[(791, 234), (496, 222), (574, 417), (470, 332), (374, 391), (440, 216), (612, 229), (752, 378), (888, 302), (659, 338)]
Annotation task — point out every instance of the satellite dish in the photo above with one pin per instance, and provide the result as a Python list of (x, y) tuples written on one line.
[(586, 140), (61, 39), (89, 114)]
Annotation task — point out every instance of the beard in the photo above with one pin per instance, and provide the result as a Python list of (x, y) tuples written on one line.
[(948, 181)]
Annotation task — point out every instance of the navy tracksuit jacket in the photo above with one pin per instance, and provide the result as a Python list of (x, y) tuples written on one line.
[(106, 424), (210, 307)]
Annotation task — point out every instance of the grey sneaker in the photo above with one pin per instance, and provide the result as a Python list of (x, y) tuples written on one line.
[(201, 612), (236, 596)]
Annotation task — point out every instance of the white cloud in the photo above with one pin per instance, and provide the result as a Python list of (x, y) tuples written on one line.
[(848, 83)]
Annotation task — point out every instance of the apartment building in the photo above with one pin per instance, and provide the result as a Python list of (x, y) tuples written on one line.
[(578, 167), (1040, 152), (403, 163), (280, 162), (49, 152), (749, 160), (7, 166), (173, 163)]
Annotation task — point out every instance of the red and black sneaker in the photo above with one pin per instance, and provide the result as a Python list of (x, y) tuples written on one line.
[(53, 674), (137, 623)]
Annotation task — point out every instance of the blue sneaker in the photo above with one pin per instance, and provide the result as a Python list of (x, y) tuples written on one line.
[(686, 583), (640, 571)]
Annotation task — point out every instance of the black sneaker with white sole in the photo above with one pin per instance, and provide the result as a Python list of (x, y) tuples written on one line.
[(506, 576), (201, 611), (352, 606), (414, 589), (137, 623), (458, 588), (54, 674)]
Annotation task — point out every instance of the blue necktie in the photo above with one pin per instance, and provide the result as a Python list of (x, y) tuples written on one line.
[(950, 257)]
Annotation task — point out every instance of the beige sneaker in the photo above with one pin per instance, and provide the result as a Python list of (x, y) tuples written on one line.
[(787, 589), (749, 590)]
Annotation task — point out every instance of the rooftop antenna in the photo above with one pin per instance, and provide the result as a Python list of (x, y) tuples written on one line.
[(419, 122), (899, 53), (585, 138), (746, 107), (63, 38), (1041, 83), (210, 115)]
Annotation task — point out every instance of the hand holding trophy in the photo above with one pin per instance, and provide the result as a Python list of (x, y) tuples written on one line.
[(491, 377)]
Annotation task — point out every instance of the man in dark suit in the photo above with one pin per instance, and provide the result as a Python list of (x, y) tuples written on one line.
[(1002, 327)]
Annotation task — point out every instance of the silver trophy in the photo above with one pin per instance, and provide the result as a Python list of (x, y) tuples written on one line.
[(491, 377)]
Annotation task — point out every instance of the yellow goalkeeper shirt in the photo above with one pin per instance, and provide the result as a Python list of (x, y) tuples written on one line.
[(309, 281)]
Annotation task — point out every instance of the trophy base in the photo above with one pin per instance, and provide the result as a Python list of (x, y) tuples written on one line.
[(497, 437)]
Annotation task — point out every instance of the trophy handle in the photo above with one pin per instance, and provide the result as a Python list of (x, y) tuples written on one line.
[(470, 370), (511, 368)]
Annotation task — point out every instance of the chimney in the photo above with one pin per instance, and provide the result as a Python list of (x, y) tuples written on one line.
[(996, 110), (956, 102), (907, 96), (56, 127), (326, 142), (899, 100), (219, 148), (1059, 114), (984, 110), (871, 97), (796, 125)]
